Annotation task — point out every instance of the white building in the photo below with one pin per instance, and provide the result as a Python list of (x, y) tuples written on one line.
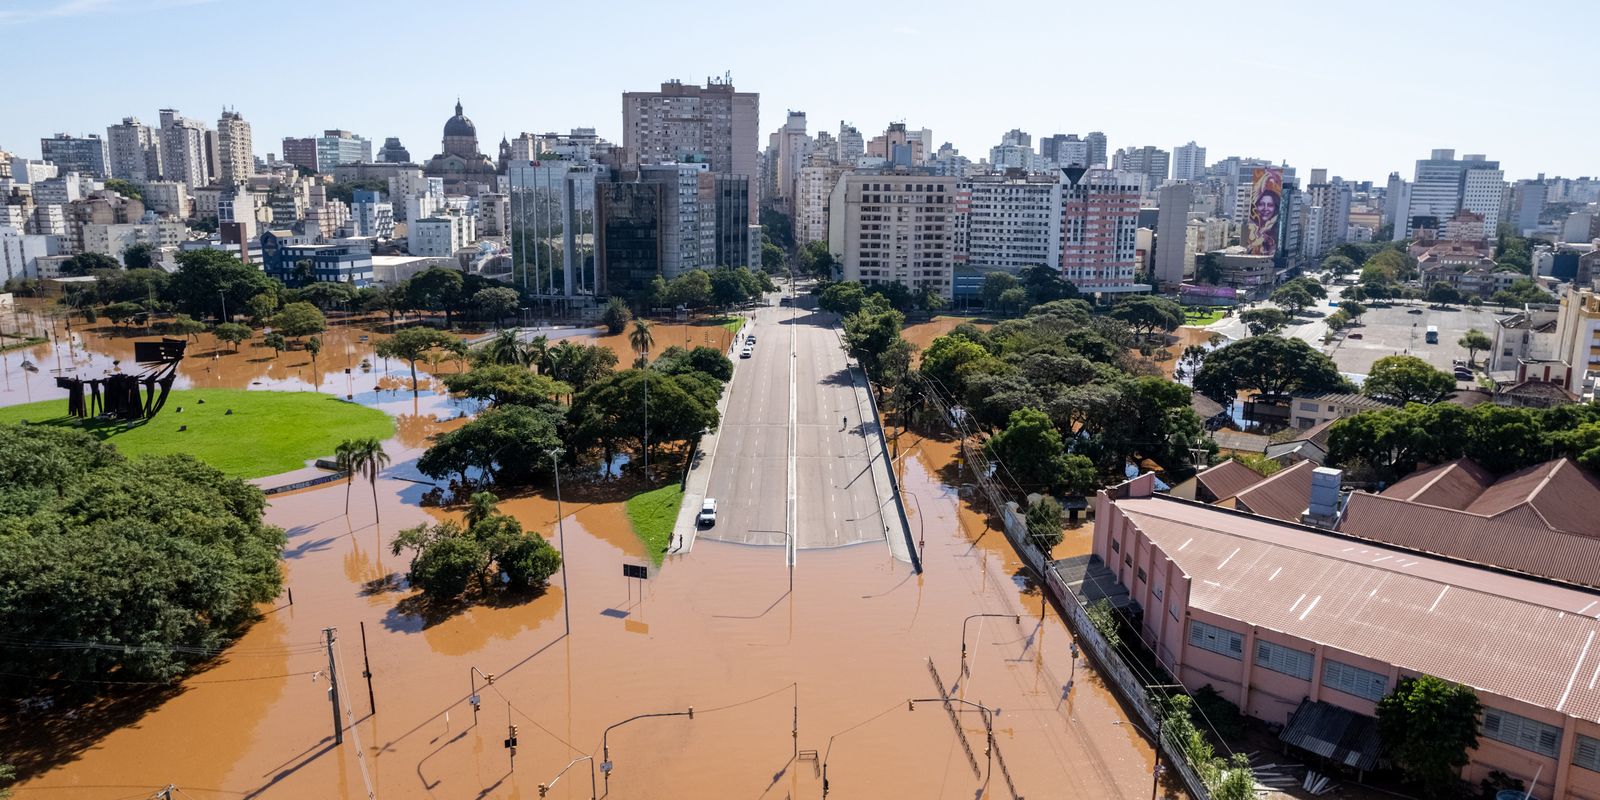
[(1444, 185), (167, 197), (793, 144), (184, 156), (441, 236), (235, 158), (114, 240), (1188, 162), (1010, 223), (895, 227), (371, 215), (30, 170), (20, 253), (1014, 156), (134, 150), (851, 145)]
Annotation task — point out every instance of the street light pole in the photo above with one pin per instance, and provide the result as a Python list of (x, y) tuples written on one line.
[(1017, 618), (561, 536), (988, 727), (545, 787), (605, 739), (223, 296)]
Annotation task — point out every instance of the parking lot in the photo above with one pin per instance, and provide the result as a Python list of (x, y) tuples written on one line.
[(1399, 330)]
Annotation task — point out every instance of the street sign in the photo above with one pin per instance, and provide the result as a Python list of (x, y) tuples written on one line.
[(639, 571)]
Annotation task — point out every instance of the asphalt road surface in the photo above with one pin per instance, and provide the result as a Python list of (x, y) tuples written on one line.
[(784, 441)]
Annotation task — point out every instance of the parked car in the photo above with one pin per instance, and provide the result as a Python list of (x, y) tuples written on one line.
[(1355, 336), (747, 352), (750, 339), (708, 513)]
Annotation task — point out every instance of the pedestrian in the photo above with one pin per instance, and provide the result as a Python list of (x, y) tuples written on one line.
[(844, 423)]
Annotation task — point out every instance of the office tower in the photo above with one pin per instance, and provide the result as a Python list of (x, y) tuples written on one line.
[(335, 147), (792, 144), (85, 155), (301, 152), (1097, 149), (236, 160), (1188, 162), (1444, 185), (713, 124)]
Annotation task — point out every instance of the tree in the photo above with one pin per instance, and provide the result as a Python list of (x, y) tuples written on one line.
[(692, 289), (1045, 284), (1338, 264), (413, 344), (325, 295), (1357, 293), (1268, 364), (90, 532), (208, 280), (508, 444), (844, 298), (815, 260), (139, 255), (1264, 321), (1522, 291), (299, 319), (641, 338), (1208, 268), (1313, 288), (233, 333), (1147, 314), (616, 315), (1473, 341), (1044, 521), (314, 347), (1014, 299), (497, 302), (276, 342), (1352, 309), (367, 458), (186, 326), (995, 285), (1031, 449), (871, 332), (261, 307), (86, 263), (127, 189), (500, 384), (580, 366), (1427, 726), (610, 413), (447, 557), (1293, 298), (772, 257), (437, 289), (1337, 321), (1443, 294), (1407, 379), (119, 313)]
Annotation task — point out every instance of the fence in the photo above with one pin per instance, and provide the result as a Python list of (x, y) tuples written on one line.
[(894, 483)]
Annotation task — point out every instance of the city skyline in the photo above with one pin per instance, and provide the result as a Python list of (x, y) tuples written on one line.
[(1348, 120)]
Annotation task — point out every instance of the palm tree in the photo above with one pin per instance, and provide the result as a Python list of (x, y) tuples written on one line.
[(537, 353), (504, 348), (642, 339), (344, 456), (367, 457)]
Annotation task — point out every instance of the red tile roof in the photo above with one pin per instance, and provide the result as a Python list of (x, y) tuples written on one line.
[(1524, 639), (1451, 485)]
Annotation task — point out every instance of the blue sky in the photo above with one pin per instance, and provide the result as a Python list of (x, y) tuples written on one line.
[(1362, 87)]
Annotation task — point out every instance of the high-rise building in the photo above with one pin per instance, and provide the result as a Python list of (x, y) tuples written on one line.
[(85, 155), (1188, 162), (167, 197), (1149, 161), (135, 151), (1326, 222), (713, 124), (851, 145), (1015, 151), (553, 201), (628, 237), (1527, 204), (184, 156), (1099, 230), (792, 146), (897, 147), (393, 152), (1097, 149), (814, 195), (371, 214), (301, 152), (237, 160), (1065, 150), (1172, 234), (1444, 185), (896, 226), (335, 147), (1009, 219)]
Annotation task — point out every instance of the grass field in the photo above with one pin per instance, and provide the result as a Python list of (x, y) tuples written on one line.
[(1201, 316), (653, 514), (268, 432), (732, 324)]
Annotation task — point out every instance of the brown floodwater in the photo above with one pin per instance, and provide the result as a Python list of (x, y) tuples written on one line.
[(718, 630)]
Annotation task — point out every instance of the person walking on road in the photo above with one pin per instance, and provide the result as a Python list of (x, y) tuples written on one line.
[(844, 423)]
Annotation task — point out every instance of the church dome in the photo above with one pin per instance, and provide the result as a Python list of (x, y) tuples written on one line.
[(459, 125)]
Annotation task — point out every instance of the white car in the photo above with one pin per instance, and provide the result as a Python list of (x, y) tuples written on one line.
[(708, 513), (747, 352)]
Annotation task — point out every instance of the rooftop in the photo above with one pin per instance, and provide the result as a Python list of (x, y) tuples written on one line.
[(1282, 495), (1226, 479), (1519, 638)]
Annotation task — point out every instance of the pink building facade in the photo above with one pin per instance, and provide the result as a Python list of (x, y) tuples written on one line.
[(1099, 230), (1173, 557)]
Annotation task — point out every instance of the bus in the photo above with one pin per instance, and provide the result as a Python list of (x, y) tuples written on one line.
[(1433, 334)]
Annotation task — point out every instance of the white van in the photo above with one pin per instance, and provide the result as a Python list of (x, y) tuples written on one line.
[(708, 513)]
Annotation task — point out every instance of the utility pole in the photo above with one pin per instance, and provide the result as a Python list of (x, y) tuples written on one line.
[(561, 535), (366, 668), (333, 686), (166, 793)]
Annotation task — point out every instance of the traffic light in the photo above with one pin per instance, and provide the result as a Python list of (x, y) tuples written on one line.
[(542, 789)]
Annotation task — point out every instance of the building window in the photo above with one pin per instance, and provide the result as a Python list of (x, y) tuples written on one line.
[(1586, 753), (1215, 639), (1286, 660), (1141, 573), (1354, 680), (1530, 735)]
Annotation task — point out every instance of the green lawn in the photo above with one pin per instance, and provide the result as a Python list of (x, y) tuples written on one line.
[(268, 432), (733, 324), (1201, 316), (653, 514), (14, 343)]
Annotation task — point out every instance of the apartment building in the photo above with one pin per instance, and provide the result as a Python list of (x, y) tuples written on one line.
[(714, 124), (1099, 229), (896, 226), (134, 151), (1011, 221), (86, 155)]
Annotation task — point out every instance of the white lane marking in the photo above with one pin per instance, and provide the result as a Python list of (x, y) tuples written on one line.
[(1575, 668)]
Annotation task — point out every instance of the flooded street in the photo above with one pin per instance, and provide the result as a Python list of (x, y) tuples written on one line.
[(718, 630)]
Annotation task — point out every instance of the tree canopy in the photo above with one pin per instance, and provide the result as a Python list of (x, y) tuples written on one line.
[(413, 344), (85, 536), (1264, 321), (500, 384), (447, 558), (1427, 726), (1268, 364), (299, 319), (1407, 379), (506, 444), (1389, 444), (206, 279), (1147, 314)]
